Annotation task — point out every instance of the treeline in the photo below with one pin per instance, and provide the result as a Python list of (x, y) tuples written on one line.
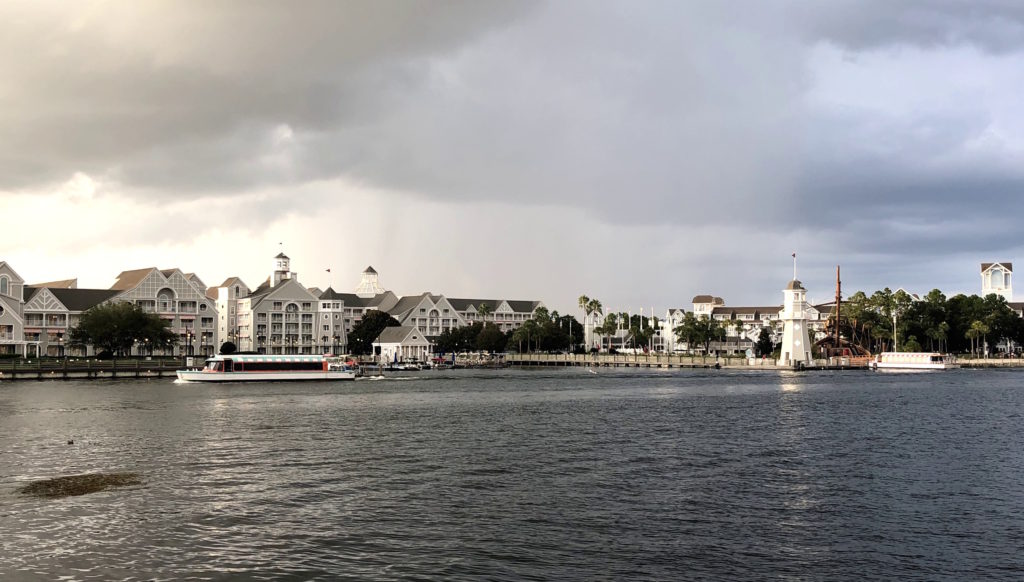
[(959, 324), (545, 331)]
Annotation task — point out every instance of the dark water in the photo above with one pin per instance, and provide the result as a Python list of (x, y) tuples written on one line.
[(552, 475)]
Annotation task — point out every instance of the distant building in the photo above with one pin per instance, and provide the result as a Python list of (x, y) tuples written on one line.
[(12, 301), (997, 279), (402, 344), (50, 312), (279, 316), (227, 295), (430, 313), (178, 298)]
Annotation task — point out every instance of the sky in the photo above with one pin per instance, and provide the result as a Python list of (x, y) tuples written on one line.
[(640, 153)]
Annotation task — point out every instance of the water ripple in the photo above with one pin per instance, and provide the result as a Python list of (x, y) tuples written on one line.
[(553, 475)]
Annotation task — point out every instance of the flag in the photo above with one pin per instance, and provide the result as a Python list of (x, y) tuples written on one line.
[(794, 255), (328, 270)]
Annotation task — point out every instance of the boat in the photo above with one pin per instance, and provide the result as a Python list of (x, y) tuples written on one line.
[(269, 368), (913, 361)]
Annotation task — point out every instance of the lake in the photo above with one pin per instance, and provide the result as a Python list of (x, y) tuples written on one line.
[(557, 474)]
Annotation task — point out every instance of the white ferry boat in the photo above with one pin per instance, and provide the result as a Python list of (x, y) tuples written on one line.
[(913, 361), (268, 368)]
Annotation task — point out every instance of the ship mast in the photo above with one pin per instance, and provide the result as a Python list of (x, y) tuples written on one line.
[(839, 303)]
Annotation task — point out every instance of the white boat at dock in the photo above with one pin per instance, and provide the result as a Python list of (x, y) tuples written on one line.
[(913, 361), (269, 368)]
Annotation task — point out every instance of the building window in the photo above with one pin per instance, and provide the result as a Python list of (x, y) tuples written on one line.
[(5, 285)]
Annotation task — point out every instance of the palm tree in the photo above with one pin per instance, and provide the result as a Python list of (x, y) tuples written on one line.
[(590, 307), (483, 311)]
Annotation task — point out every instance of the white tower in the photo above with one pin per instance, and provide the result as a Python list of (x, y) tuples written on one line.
[(796, 348), (369, 284), (282, 269), (997, 278)]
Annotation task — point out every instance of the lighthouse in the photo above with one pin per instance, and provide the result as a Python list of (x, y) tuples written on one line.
[(796, 348)]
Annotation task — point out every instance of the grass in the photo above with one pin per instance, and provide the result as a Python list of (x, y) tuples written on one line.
[(79, 484)]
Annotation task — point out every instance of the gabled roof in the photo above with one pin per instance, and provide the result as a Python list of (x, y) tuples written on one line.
[(62, 284), (349, 299), (370, 270), (407, 303), (708, 299), (262, 290), (987, 266), (281, 256), (82, 299), (398, 334), (522, 306), (130, 279)]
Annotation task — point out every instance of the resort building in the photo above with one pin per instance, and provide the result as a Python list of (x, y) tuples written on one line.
[(178, 298), (50, 313), (402, 343), (227, 295), (997, 278), (12, 301), (280, 315), (340, 311)]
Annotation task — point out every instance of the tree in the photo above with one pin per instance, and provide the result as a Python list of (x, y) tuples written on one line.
[(484, 310), (491, 339), (764, 345), (227, 348), (590, 307), (116, 327), (609, 327), (363, 334), (702, 331)]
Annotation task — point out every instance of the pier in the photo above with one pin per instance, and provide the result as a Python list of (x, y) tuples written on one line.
[(673, 361), (43, 369)]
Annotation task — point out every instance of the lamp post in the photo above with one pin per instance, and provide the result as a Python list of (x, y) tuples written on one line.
[(261, 338), (188, 336)]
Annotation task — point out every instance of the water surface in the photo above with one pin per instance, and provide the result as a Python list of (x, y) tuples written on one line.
[(533, 475)]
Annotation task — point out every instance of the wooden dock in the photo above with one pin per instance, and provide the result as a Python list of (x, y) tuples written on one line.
[(672, 361), (83, 369)]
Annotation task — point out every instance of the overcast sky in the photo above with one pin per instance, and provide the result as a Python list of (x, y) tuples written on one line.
[(636, 152)]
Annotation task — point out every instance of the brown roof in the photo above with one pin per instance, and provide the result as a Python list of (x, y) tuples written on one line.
[(708, 299), (129, 279), (985, 266), (795, 285), (63, 284)]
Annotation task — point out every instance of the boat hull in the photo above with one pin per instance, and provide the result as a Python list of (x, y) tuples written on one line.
[(885, 366), (295, 376)]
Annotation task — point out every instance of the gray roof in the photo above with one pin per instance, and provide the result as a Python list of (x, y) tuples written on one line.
[(795, 285), (77, 299), (985, 266), (407, 303), (349, 299), (395, 334), (370, 270), (522, 306), (281, 256)]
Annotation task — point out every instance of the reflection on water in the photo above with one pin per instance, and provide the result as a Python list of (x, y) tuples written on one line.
[(548, 474)]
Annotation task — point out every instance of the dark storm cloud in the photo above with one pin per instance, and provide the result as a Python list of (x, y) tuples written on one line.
[(171, 95), (672, 114), (991, 25)]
